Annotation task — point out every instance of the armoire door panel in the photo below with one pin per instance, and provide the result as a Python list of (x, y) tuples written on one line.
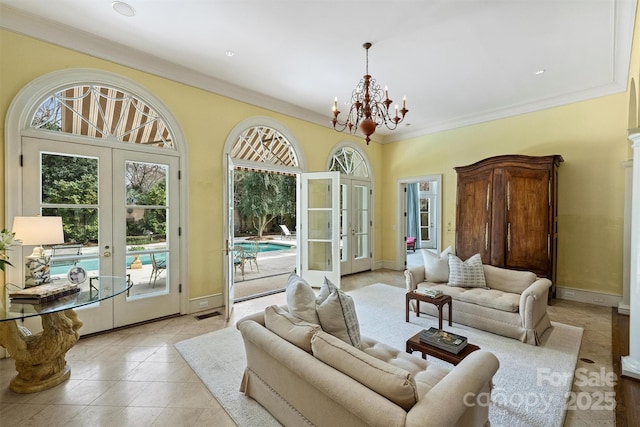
[(528, 219), (473, 223)]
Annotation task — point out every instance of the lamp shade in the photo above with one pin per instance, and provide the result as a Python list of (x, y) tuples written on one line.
[(38, 230)]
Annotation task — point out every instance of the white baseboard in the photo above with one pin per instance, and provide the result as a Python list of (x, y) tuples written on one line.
[(624, 308), (377, 265), (390, 265), (589, 297), (209, 302)]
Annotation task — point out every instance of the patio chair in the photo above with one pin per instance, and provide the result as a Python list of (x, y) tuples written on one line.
[(65, 255), (251, 255), (285, 232), (158, 266), (239, 259)]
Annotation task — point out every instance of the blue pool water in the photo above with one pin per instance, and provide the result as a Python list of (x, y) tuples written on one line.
[(262, 246), (92, 264)]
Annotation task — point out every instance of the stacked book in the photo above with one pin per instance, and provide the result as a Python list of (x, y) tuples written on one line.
[(42, 293), (428, 292), (446, 341)]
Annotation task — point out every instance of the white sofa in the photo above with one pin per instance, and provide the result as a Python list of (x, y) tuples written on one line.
[(513, 303), (304, 376)]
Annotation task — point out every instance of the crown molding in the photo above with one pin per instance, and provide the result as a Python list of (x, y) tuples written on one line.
[(67, 37)]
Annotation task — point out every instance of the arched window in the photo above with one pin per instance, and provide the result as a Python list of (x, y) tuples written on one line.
[(264, 144), (102, 112), (125, 146), (348, 161)]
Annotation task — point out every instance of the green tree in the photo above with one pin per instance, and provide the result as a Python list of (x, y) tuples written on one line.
[(72, 180), (262, 197)]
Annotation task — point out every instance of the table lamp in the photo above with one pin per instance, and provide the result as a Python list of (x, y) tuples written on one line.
[(38, 231)]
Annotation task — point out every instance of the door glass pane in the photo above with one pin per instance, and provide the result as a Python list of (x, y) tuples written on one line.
[(320, 224), (146, 213), (320, 256), (361, 219), (319, 191), (70, 190), (344, 223)]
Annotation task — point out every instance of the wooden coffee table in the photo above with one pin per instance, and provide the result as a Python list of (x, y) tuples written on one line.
[(414, 344), (438, 302)]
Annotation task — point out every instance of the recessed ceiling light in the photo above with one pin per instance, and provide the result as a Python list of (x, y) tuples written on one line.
[(229, 53), (540, 71), (123, 8)]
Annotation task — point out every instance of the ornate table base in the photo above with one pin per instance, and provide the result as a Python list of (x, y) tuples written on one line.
[(40, 358)]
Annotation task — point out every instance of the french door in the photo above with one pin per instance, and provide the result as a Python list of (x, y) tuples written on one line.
[(121, 206), (319, 227), (428, 220), (355, 226), (229, 294)]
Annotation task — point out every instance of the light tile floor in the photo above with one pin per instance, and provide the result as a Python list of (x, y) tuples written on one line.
[(135, 377)]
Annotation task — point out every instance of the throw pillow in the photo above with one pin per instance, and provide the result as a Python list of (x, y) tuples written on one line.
[(301, 299), (467, 274), (436, 266), (289, 327), (337, 314)]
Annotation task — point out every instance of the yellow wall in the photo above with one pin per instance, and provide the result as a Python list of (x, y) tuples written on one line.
[(206, 120), (590, 135), (592, 138)]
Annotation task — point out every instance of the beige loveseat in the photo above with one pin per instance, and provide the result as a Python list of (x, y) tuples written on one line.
[(513, 303), (321, 380)]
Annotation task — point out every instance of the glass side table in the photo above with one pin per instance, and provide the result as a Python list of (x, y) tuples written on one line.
[(40, 358)]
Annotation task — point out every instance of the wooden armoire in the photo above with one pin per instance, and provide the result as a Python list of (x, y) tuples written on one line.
[(506, 210)]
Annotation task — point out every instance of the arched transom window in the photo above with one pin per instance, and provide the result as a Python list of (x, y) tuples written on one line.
[(350, 162), (266, 145), (103, 112)]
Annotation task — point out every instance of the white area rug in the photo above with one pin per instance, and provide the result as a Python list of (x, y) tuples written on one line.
[(529, 387)]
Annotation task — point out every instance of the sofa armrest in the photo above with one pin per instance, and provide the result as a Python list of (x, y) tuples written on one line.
[(448, 402), (257, 317), (413, 276), (533, 302)]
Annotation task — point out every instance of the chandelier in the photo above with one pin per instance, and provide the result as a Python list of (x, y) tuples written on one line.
[(369, 107)]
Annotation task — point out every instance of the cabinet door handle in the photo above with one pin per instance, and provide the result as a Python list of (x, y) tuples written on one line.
[(509, 237), (488, 193), (508, 195), (486, 236)]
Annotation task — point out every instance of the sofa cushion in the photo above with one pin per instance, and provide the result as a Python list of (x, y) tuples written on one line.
[(425, 374), (301, 299), (436, 266), (468, 274), (289, 327), (337, 313), (508, 280), (395, 384), (490, 298)]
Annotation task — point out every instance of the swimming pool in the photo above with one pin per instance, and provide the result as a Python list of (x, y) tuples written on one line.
[(93, 264), (262, 246)]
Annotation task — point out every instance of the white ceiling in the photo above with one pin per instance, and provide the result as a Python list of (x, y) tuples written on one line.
[(458, 62)]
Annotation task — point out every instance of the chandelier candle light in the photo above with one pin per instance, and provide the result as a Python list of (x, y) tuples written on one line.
[(369, 107)]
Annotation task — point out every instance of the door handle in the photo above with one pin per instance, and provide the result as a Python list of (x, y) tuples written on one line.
[(107, 252)]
